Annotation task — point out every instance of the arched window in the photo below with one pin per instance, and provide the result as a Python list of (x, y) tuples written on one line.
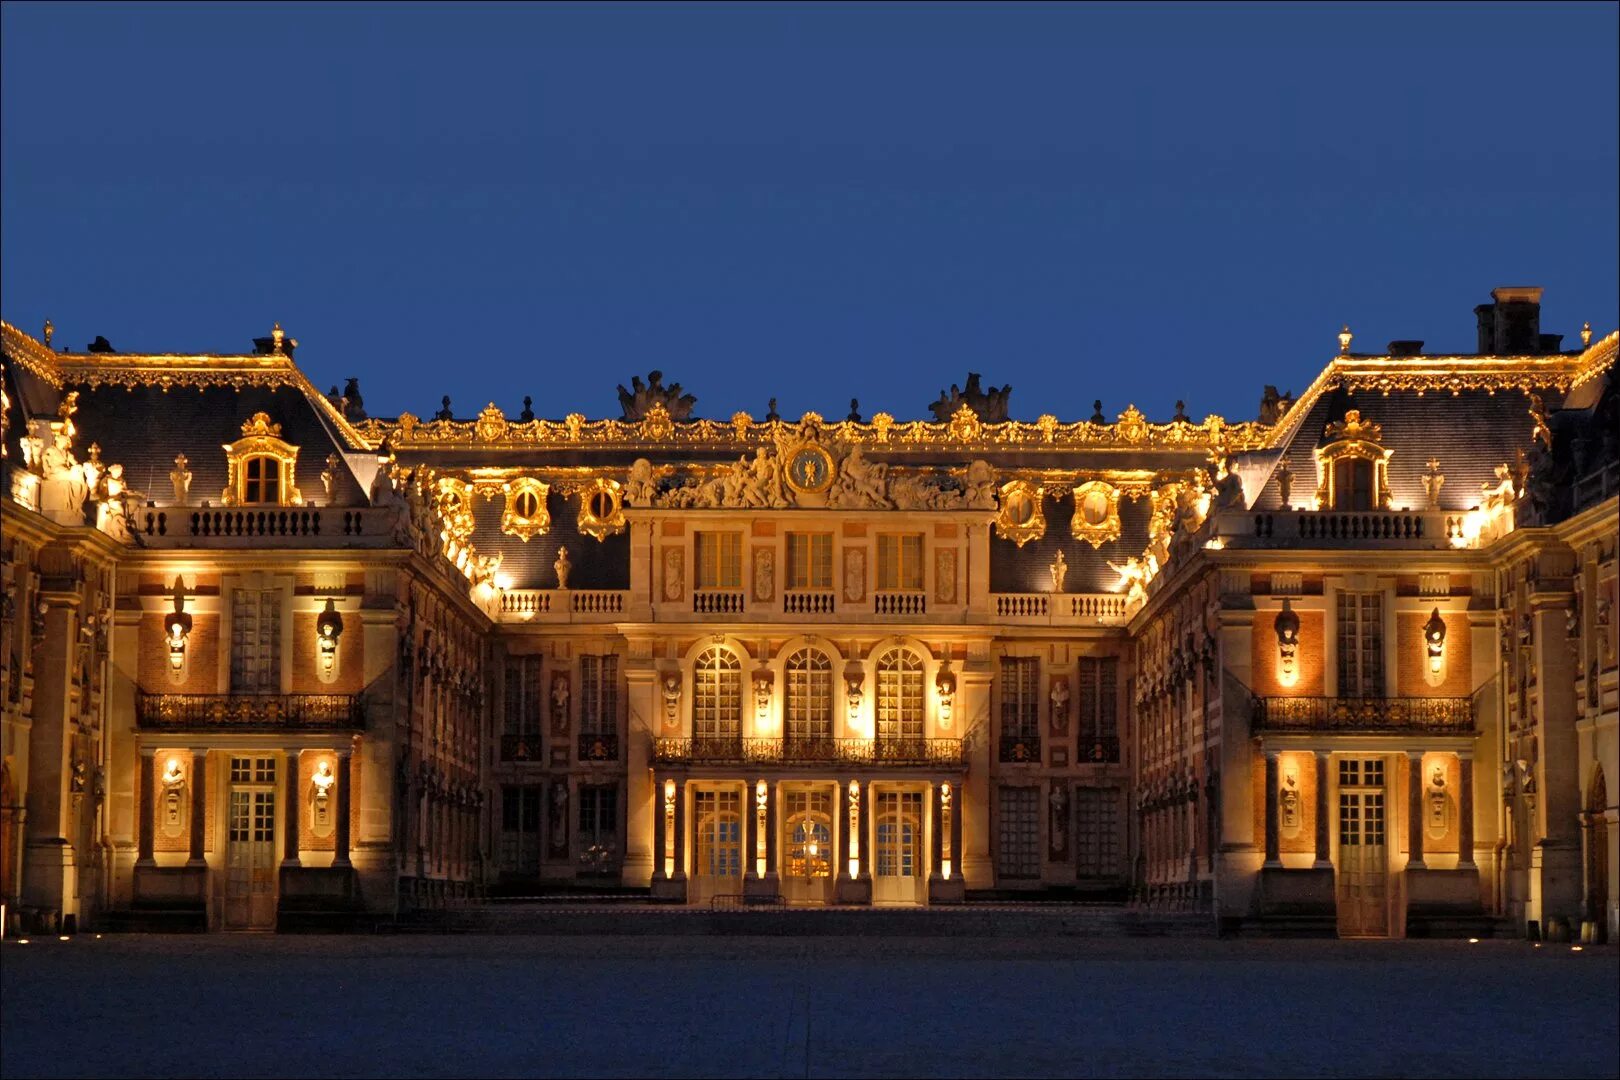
[(900, 701), (261, 481), (809, 698), (717, 696)]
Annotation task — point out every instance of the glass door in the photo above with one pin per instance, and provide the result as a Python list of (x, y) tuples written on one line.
[(808, 848), (250, 850), (716, 844), (1363, 855), (898, 876)]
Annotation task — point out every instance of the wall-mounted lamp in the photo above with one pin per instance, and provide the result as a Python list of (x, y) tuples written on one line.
[(854, 689), (670, 839), (945, 687), (1287, 627), (177, 630), (761, 793), (328, 629), (1434, 641)]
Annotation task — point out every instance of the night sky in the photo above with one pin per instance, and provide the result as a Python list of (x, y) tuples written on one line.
[(1137, 203)]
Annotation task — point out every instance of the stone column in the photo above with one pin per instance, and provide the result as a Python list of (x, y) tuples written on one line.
[(48, 860), (1323, 861), (843, 832), (773, 827), (659, 849), (936, 836), (868, 834), (294, 805), (956, 831), (1273, 841), (1465, 810), (643, 716), (199, 806), (146, 763), (1414, 809), (345, 760), (680, 830), (751, 838)]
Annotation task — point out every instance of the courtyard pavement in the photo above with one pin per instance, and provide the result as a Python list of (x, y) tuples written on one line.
[(439, 1005)]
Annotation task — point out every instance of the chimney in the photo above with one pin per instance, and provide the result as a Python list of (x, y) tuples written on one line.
[(1406, 348), (1511, 324)]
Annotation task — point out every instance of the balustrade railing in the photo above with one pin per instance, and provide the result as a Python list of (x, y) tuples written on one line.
[(280, 522), (900, 602), (1404, 528), (1059, 608), (320, 712), (717, 602), (562, 605), (808, 602), (942, 752), (1438, 714)]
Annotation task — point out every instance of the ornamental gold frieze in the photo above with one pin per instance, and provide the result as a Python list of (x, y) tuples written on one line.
[(1130, 431)]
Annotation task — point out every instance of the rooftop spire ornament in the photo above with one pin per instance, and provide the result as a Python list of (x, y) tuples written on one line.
[(1586, 334), (1344, 340)]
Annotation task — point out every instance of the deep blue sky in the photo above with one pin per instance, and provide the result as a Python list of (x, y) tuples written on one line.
[(1134, 203)]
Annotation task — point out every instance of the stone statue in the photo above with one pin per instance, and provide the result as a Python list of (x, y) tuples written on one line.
[(979, 489), (1229, 488), (1433, 481), (860, 483), (562, 566), (181, 479), (1060, 705), (854, 411), (671, 690), (1181, 414), (1437, 799), (444, 412), (771, 415), (559, 701), (559, 816), (356, 408), (329, 478), (1288, 802), (1540, 432), (989, 405), (637, 402), (1059, 570), (528, 410), (1285, 482), (764, 486), (1097, 416)]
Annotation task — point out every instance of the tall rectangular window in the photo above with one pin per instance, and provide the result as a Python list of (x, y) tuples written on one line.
[(520, 737), (809, 560), (719, 560), (1020, 697), (1099, 702), (255, 641), (900, 561), (1361, 644), (1018, 854), (520, 829), (1096, 832), (599, 827), (599, 694)]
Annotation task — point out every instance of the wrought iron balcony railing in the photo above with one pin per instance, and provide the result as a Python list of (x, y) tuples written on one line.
[(520, 747), (945, 752), (1438, 714), (1021, 749), (602, 746), (299, 712)]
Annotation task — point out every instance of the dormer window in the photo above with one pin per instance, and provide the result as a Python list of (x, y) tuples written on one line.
[(262, 466), (1353, 466), (261, 481), (1353, 484)]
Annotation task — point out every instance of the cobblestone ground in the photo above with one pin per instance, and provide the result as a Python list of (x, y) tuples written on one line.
[(738, 1006)]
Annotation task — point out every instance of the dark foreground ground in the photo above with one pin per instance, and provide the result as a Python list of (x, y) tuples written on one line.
[(749, 1006)]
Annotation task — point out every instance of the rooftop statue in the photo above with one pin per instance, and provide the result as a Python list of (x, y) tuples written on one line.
[(989, 405), (637, 401)]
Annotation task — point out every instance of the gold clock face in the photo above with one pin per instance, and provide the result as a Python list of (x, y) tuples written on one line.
[(810, 469)]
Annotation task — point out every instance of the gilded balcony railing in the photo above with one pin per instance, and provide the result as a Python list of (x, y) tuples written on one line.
[(1395, 714), (720, 751), (300, 712)]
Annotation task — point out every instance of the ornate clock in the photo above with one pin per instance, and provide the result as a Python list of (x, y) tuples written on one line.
[(810, 469)]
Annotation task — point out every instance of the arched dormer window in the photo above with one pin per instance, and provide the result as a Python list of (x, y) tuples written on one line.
[(900, 700), (1353, 466), (261, 467), (717, 697)]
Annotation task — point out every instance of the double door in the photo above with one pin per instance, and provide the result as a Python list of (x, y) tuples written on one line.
[(717, 865), (1363, 870), (807, 849), (898, 872), (250, 848)]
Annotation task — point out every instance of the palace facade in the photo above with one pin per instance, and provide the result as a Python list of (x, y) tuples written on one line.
[(1347, 667)]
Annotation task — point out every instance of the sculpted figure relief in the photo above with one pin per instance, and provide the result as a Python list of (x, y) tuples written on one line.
[(638, 401)]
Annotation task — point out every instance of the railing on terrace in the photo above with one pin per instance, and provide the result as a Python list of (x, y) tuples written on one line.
[(562, 605), (717, 602), (1384, 528), (947, 752), (1396, 714), (1021, 749), (1059, 609), (809, 602), (312, 525), (520, 747), (303, 712), (900, 602), (1098, 749)]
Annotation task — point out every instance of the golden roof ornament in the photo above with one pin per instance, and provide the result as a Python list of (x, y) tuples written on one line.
[(259, 424), (1586, 334), (50, 332), (278, 337), (1345, 338)]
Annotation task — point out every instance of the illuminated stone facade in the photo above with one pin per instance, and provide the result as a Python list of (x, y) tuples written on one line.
[(1348, 667)]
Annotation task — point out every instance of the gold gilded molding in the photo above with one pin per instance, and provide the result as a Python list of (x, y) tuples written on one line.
[(1353, 437), (601, 507), (261, 438), (1021, 514), (1096, 513), (526, 514)]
